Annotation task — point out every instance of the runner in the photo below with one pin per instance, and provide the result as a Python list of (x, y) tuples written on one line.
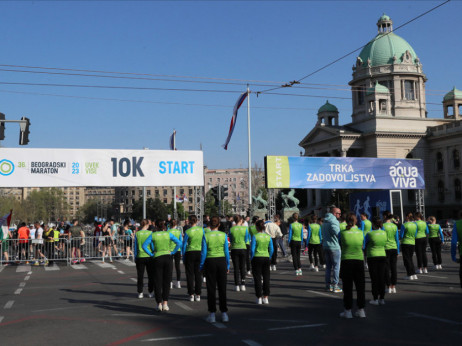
[(436, 240), (352, 268), (107, 245), (215, 261), (176, 258), (239, 235), (77, 236), (408, 234), (314, 241), (142, 259), (391, 251), (48, 236), (5, 234), (295, 243), (273, 229), (376, 240), (421, 244), (159, 243), (261, 252), (23, 236)]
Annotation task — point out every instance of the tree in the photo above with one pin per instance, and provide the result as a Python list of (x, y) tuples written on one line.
[(210, 206), (155, 209), (179, 209)]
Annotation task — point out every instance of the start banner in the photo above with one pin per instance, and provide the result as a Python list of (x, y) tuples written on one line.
[(99, 167), (343, 173)]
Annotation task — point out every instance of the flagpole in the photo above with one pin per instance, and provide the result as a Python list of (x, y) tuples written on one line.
[(250, 160), (175, 212)]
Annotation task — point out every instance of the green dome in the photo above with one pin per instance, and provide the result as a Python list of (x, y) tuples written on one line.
[(384, 17), (384, 47), (327, 107), (454, 94), (377, 89)]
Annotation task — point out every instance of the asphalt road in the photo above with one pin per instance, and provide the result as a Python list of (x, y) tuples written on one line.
[(97, 304)]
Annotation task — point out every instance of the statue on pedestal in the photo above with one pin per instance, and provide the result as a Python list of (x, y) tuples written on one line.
[(289, 201), (259, 204)]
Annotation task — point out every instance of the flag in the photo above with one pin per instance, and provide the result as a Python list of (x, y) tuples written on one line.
[(234, 118), (185, 199), (179, 199), (173, 140), (7, 219)]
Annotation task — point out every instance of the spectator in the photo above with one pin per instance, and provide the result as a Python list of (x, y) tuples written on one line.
[(77, 237), (272, 228), (330, 230)]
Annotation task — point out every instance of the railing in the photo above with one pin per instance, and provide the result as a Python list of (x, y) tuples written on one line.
[(70, 251)]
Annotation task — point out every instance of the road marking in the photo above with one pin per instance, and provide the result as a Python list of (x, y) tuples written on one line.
[(22, 284), (27, 278), (251, 342), (219, 325), (434, 276), (105, 265), (9, 304), (1, 268), (78, 266), (434, 318), (23, 268), (325, 294), (302, 326), (127, 263), (18, 291), (179, 337), (29, 272), (133, 279), (120, 272), (52, 268), (184, 306), (1, 317)]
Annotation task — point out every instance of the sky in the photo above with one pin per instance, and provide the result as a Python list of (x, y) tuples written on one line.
[(182, 65)]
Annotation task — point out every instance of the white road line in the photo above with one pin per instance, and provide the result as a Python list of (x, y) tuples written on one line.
[(133, 279), (78, 266), (219, 325), (251, 342), (120, 272), (23, 268), (302, 326), (184, 306), (52, 268), (325, 294), (1, 318), (29, 272), (9, 304), (433, 276), (1, 268), (434, 318), (18, 291), (104, 265), (27, 278), (127, 263), (179, 337), (22, 284)]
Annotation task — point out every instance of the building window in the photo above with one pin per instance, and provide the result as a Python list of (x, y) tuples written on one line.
[(440, 191), (181, 191), (383, 106), (165, 200), (133, 192), (360, 93), (133, 201), (165, 192), (456, 158), (439, 161), (190, 191), (148, 192), (457, 190), (409, 90)]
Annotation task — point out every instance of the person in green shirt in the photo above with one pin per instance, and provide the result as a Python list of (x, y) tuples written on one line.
[(376, 240), (314, 240), (176, 258), (436, 240), (295, 242), (421, 243), (407, 235), (143, 261), (215, 261), (239, 235), (391, 251), (352, 268), (157, 245), (261, 252)]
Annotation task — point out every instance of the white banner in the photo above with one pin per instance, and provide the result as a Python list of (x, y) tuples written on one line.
[(99, 167)]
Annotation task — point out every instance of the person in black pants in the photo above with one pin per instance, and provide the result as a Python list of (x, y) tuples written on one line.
[(142, 260), (273, 229), (261, 251), (376, 240)]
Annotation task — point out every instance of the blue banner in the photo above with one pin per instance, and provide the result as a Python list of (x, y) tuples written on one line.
[(371, 203), (344, 173)]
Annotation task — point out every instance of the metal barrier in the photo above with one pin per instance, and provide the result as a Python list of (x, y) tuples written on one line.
[(70, 251)]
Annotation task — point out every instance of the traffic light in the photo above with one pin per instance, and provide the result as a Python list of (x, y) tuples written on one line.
[(215, 194), (224, 191), (24, 131), (2, 127)]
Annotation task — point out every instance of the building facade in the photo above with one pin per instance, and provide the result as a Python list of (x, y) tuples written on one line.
[(389, 120)]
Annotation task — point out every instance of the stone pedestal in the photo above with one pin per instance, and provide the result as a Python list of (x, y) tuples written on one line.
[(261, 213), (287, 213)]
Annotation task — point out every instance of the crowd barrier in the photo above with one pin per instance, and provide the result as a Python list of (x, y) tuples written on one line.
[(43, 252)]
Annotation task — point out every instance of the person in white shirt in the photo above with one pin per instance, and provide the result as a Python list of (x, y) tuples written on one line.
[(39, 247), (273, 229)]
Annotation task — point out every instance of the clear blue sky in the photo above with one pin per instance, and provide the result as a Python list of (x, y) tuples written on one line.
[(263, 41)]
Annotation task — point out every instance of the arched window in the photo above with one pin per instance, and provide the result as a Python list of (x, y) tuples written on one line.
[(440, 191), (456, 158), (439, 161), (457, 190)]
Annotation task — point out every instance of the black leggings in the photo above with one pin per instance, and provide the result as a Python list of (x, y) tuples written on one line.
[(295, 250), (215, 272), (352, 271), (391, 276), (162, 277), (192, 261), (238, 257), (176, 258), (247, 257), (315, 250), (261, 266), (408, 252), (435, 246), (377, 269), (275, 252), (143, 263), (420, 252)]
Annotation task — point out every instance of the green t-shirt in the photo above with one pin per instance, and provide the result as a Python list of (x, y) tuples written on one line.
[(297, 231), (367, 226), (177, 233), (207, 230), (262, 241), (434, 230), (238, 235), (391, 229), (194, 238), (253, 230), (161, 241), (342, 226), (376, 241), (421, 229), (140, 238), (352, 242), (215, 241), (408, 230), (315, 233)]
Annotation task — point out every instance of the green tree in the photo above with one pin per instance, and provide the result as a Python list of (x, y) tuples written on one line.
[(209, 205), (179, 209), (155, 209)]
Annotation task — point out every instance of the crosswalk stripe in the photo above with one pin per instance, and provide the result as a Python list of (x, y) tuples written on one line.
[(52, 268), (23, 268), (104, 265), (78, 266), (127, 263)]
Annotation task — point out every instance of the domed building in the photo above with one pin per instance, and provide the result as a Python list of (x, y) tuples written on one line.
[(389, 120)]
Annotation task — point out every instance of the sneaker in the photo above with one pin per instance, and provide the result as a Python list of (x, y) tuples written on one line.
[(394, 289), (82, 260), (204, 279), (178, 284), (390, 290), (337, 289), (382, 301), (311, 266), (411, 277), (300, 272), (165, 307), (323, 266), (110, 260), (27, 262), (419, 271), (415, 277), (425, 271), (243, 288), (237, 288), (440, 267), (274, 268), (297, 273), (197, 298), (316, 269), (331, 288), (265, 300), (249, 272), (259, 301), (374, 302), (171, 284), (191, 298), (360, 313), (211, 318), (159, 307), (36, 263), (271, 267), (140, 295), (150, 294), (224, 317), (346, 314), (73, 262)]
